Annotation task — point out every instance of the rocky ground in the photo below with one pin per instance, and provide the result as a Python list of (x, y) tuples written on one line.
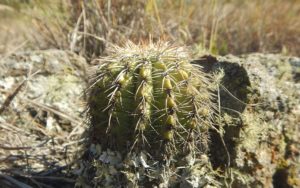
[(42, 105)]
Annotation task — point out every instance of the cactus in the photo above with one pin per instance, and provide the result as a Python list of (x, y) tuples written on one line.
[(149, 97), (150, 110)]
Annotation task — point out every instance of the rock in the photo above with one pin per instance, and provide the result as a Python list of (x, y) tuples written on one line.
[(41, 102), (260, 102)]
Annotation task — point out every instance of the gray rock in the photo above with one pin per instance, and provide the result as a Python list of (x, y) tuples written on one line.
[(260, 102)]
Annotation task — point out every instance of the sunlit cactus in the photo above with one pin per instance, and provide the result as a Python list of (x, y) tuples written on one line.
[(149, 96)]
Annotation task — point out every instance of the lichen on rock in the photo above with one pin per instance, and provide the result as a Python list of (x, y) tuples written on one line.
[(259, 102)]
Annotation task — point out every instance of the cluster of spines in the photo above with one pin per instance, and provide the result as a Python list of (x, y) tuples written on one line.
[(143, 94)]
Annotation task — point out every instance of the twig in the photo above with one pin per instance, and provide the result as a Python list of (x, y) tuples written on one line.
[(9, 99), (57, 112), (12, 128), (68, 180), (60, 168), (24, 147), (15, 148), (91, 35), (45, 178), (14, 181)]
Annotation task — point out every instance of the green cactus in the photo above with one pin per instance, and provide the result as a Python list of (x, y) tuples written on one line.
[(149, 97), (150, 110)]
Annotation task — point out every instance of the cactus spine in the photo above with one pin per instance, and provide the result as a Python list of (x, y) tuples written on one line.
[(149, 96)]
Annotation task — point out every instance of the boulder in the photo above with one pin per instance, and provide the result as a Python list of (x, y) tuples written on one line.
[(260, 120)]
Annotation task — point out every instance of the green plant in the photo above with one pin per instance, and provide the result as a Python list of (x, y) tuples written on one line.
[(149, 97), (150, 110)]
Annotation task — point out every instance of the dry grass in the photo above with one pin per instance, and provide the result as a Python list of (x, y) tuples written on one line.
[(217, 26), (234, 26)]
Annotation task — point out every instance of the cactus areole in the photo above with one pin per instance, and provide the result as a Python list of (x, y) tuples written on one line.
[(149, 97)]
